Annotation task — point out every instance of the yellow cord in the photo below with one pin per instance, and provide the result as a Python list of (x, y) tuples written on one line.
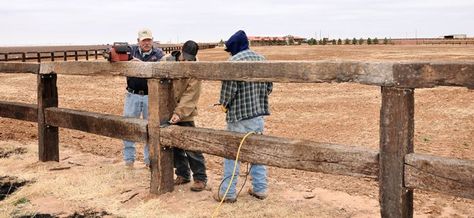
[(216, 211)]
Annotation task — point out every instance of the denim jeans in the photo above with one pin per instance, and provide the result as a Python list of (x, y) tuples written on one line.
[(184, 161), (135, 106), (258, 172)]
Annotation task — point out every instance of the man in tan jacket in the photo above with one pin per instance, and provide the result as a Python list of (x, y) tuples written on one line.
[(187, 92)]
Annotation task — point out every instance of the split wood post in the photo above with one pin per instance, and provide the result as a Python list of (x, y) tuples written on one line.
[(48, 141), (160, 107), (396, 140)]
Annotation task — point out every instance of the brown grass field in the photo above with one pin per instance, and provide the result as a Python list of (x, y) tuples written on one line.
[(94, 181)]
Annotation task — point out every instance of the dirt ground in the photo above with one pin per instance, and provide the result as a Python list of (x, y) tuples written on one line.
[(90, 178)]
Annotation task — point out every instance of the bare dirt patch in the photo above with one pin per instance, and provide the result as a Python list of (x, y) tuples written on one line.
[(343, 113)]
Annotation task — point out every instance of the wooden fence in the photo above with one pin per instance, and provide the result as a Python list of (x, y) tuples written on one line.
[(397, 168), (55, 55)]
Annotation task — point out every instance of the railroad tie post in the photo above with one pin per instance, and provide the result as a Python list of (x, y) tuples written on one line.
[(48, 149), (160, 108), (396, 140)]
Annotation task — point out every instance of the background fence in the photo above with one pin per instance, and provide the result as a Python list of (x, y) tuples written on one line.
[(397, 168)]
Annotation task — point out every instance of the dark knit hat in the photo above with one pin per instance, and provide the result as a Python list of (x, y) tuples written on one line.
[(190, 50)]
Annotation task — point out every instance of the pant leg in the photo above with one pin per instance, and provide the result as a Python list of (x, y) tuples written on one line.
[(228, 169), (144, 109), (181, 163), (259, 178), (131, 109), (194, 160), (197, 163)]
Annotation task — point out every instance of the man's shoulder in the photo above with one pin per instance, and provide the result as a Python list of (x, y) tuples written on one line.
[(247, 55)]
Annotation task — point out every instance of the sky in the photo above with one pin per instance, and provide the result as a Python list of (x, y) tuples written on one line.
[(62, 22)]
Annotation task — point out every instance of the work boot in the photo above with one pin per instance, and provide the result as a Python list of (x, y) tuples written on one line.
[(198, 186), (218, 198), (181, 180), (258, 195)]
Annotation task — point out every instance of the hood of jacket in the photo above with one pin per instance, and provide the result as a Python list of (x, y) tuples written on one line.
[(237, 43)]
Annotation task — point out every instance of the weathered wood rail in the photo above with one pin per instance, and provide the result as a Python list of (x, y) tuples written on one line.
[(398, 169), (76, 54)]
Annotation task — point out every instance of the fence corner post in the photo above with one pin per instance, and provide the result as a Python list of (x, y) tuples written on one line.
[(48, 136), (396, 140), (160, 107)]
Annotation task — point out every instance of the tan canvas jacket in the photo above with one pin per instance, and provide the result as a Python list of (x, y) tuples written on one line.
[(186, 95)]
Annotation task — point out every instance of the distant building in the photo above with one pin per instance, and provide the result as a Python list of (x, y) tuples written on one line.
[(272, 40), (455, 36)]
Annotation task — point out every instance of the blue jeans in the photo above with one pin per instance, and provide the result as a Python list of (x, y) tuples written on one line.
[(135, 106), (257, 171)]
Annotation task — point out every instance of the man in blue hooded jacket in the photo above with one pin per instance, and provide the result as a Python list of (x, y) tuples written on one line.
[(246, 103)]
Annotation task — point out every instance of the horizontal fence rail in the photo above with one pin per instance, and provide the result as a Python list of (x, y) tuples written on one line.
[(49, 53), (398, 74), (397, 168)]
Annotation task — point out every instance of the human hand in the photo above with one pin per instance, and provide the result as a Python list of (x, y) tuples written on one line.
[(136, 59), (174, 119)]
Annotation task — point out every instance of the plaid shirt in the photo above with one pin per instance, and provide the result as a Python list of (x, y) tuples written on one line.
[(245, 100)]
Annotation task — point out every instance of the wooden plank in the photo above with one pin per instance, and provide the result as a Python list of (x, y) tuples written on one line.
[(19, 68), (19, 111), (48, 136), (425, 75), (445, 175), (409, 74), (279, 71), (119, 127), (396, 140), (275, 151), (160, 107)]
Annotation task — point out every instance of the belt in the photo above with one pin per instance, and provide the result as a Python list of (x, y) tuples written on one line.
[(138, 92)]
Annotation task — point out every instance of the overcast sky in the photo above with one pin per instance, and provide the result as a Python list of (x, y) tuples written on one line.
[(46, 22)]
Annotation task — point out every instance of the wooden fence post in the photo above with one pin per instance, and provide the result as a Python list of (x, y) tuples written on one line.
[(75, 56), (160, 107), (65, 55), (52, 56), (95, 54), (23, 57), (87, 55), (396, 140), (38, 56), (48, 141)]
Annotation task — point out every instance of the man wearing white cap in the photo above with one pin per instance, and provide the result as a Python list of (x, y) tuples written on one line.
[(136, 101)]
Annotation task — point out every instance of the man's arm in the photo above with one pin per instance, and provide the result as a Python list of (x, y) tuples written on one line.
[(188, 101), (228, 92)]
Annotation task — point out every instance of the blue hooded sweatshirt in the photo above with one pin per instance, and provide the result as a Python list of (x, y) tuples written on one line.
[(237, 43)]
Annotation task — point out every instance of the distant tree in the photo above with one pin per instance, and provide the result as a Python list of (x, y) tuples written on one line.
[(361, 41), (369, 41), (385, 41), (320, 42), (312, 41), (354, 41), (339, 41), (221, 43), (333, 41), (347, 41), (325, 41), (376, 41)]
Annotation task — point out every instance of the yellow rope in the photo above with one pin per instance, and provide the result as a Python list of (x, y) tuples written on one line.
[(216, 211)]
